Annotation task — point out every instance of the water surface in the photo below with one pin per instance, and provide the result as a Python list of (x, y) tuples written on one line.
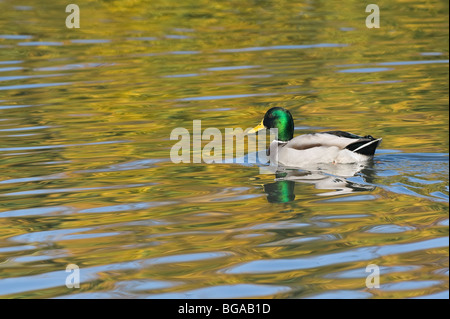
[(85, 170)]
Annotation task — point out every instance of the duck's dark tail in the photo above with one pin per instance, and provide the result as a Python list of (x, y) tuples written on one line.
[(365, 146)]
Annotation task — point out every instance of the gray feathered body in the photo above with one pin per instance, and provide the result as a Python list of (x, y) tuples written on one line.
[(326, 147)]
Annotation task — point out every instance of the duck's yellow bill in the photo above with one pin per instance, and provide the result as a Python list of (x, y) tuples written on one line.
[(257, 128)]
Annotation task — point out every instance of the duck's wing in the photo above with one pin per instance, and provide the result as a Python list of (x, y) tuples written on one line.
[(332, 138), (365, 145)]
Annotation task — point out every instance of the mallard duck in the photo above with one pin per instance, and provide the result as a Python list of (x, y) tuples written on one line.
[(335, 147)]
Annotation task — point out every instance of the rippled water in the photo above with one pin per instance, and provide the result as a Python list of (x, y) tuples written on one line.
[(86, 177)]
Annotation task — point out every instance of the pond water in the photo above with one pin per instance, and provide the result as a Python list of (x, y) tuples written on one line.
[(86, 176)]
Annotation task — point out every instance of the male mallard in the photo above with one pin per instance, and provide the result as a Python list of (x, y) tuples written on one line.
[(325, 147)]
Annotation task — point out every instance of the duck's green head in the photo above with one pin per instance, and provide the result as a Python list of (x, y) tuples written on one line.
[(280, 118)]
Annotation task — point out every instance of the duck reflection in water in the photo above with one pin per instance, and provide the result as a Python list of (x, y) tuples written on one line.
[(332, 177)]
